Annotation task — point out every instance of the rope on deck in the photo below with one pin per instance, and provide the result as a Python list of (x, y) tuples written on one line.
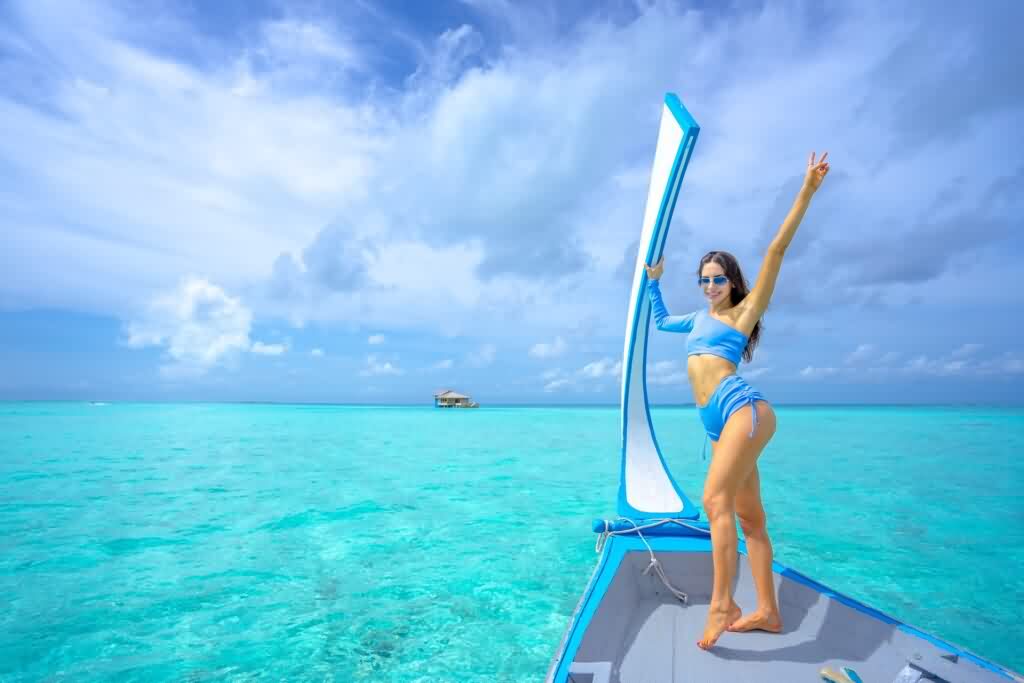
[(655, 565)]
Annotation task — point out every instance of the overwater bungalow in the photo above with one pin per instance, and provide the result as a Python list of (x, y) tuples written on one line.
[(451, 399)]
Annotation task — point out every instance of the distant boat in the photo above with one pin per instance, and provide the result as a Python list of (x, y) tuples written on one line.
[(642, 613), (451, 399)]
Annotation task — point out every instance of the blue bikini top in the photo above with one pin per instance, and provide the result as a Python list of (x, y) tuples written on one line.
[(707, 333)]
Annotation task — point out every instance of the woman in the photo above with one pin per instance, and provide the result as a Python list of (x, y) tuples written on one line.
[(738, 420)]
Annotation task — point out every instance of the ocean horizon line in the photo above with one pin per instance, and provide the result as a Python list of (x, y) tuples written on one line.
[(521, 404)]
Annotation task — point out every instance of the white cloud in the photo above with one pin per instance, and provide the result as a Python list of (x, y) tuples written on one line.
[(412, 285), (1006, 363), (754, 373), (1013, 365), (666, 366), (453, 47), (375, 339), (445, 364), (317, 353), (862, 364), (200, 327), (961, 362), (890, 357), (860, 354), (677, 378), (558, 384), (198, 324), (813, 373), (375, 367), (967, 350), (599, 369), (268, 349), (549, 350), (667, 372), (953, 366), (591, 376), (291, 42)]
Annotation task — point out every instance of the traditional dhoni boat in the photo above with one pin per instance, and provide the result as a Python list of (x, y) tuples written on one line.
[(644, 608)]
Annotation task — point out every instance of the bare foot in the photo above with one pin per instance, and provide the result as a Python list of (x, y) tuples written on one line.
[(761, 620), (718, 621)]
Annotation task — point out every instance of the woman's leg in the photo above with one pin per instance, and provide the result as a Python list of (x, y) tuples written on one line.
[(734, 458), (751, 514)]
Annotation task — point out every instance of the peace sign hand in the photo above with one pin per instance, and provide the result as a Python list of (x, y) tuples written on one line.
[(816, 172)]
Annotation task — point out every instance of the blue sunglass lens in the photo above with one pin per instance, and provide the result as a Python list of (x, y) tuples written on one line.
[(718, 280)]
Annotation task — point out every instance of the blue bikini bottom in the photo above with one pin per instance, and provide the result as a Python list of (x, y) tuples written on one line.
[(731, 394)]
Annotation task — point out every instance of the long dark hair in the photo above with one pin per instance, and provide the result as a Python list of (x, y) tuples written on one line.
[(739, 291)]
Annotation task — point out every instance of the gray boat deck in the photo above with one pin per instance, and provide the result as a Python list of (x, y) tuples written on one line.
[(641, 633)]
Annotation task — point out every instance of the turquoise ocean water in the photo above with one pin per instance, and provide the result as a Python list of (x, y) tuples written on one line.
[(196, 542)]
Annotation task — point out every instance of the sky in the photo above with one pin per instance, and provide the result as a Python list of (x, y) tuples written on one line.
[(368, 202)]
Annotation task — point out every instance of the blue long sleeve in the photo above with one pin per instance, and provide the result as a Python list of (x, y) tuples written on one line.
[(662, 320)]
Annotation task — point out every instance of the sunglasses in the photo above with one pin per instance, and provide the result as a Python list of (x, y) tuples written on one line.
[(719, 280)]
